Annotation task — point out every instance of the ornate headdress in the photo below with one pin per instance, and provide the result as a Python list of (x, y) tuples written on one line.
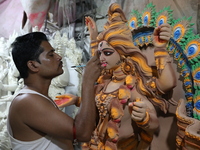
[(116, 32)]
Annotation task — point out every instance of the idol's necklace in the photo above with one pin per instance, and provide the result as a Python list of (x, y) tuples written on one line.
[(118, 77)]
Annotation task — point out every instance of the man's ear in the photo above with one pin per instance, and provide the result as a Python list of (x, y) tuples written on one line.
[(33, 65)]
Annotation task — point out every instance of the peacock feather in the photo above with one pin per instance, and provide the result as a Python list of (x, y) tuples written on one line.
[(164, 16), (148, 15), (196, 111), (184, 46), (135, 20)]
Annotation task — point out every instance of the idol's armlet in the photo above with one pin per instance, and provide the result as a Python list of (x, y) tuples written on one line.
[(153, 85), (161, 58)]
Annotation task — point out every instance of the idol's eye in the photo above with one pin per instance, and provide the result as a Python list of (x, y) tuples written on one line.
[(107, 53)]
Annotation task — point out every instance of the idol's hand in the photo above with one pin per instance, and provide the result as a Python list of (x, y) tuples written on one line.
[(161, 35), (138, 110), (66, 100), (92, 27)]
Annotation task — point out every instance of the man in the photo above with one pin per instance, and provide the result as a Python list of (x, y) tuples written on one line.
[(34, 121)]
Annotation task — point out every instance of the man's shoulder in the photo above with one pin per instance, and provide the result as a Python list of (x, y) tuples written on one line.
[(28, 100)]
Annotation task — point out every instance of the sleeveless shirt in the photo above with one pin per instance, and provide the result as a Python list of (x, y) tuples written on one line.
[(44, 143)]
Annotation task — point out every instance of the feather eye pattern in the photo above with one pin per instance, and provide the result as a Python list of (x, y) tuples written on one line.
[(184, 47), (164, 16), (196, 110), (134, 20), (180, 28), (192, 49), (146, 18), (148, 15), (196, 76)]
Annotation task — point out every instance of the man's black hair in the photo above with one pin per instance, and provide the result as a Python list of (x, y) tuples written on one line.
[(25, 48)]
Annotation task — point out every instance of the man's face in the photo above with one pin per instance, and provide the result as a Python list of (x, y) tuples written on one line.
[(109, 57), (50, 62)]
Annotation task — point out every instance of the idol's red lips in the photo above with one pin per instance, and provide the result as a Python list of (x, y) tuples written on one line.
[(104, 64)]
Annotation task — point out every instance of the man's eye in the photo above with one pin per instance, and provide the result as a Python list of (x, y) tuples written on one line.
[(107, 53)]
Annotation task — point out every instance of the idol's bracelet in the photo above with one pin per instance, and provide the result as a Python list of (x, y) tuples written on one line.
[(145, 121)]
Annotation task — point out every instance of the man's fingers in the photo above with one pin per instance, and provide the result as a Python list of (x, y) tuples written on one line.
[(96, 54), (95, 57)]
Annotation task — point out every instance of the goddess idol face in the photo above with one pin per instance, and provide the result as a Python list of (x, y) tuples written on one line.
[(109, 57)]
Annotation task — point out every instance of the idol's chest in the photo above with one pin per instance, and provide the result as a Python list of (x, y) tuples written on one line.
[(103, 102)]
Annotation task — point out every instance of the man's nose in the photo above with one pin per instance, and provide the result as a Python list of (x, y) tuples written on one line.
[(59, 57)]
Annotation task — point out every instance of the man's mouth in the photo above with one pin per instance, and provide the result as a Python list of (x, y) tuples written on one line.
[(61, 64)]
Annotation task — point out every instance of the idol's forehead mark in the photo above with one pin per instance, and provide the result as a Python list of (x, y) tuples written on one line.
[(100, 46), (102, 43)]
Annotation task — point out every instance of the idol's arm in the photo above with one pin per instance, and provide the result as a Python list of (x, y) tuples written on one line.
[(166, 75), (92, 27), (144, 114)]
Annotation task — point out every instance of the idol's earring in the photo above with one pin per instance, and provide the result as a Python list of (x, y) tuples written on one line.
[(127, 67), (123, 58)]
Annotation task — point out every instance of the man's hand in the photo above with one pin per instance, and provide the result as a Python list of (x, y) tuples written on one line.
[(161, 35), (93, 69)]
